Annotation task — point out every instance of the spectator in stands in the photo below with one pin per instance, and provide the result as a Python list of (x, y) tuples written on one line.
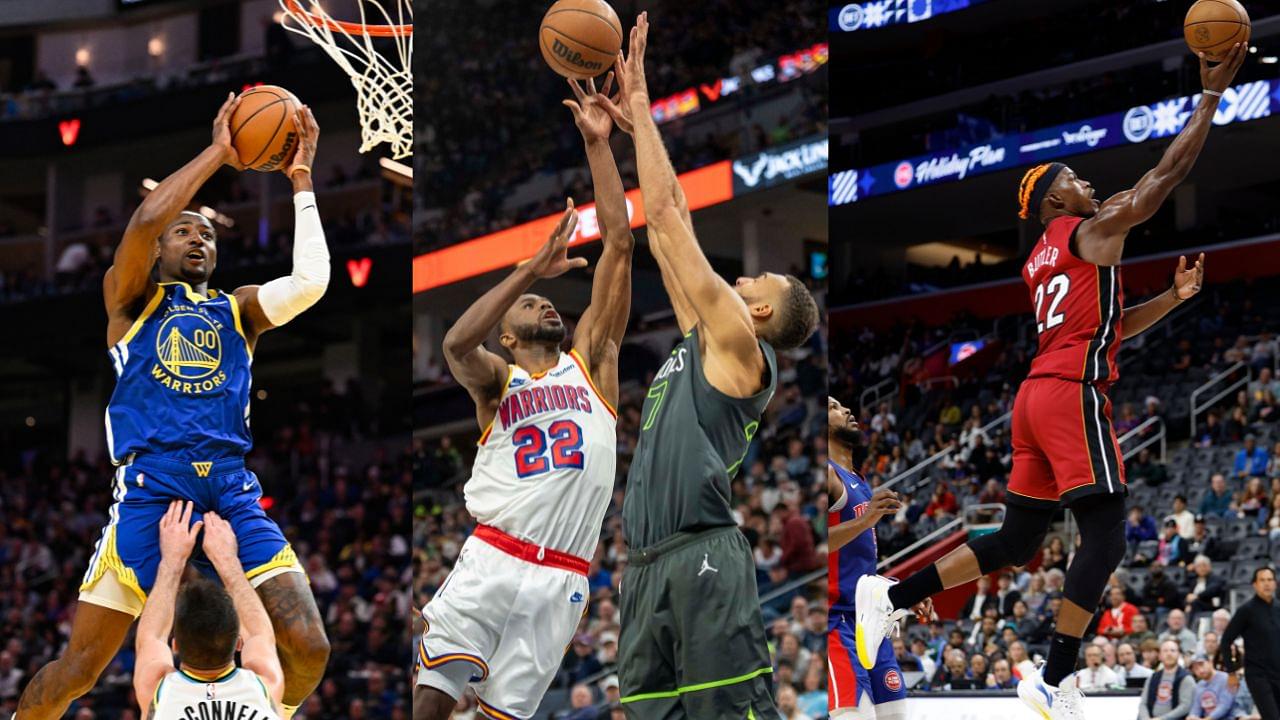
[(953, 670), (1271, 517), (1047, 617), (581, 703), (1021, 620), (1253, 501), (1034, 596), (798, 555), (1172, 548), (1055, 555), (986, 630), (1243, 708), (1204, 590), (1217, 501), (1127, 664), (1117, 621), (581, 662), (1161, 594), (1001, 677), (787, 704), (1145, 468), (1212, 698), (1150, 651), (942, 506), (1094, 675), (1141, 631), (1006, 594), (1176, 629), (1251, 460), (1139, 527), (1185, 518), (1208, 643), (1167, 694), (1203, 543), (976, 606)]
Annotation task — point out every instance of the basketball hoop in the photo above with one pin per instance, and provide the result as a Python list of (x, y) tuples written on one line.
[(384, 90)]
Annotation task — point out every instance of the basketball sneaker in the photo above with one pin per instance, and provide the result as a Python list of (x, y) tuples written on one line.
[(875, 616), (1064, 702)]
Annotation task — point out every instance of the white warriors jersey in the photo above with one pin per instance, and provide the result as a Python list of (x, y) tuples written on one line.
[(239, 695), (544, 472)]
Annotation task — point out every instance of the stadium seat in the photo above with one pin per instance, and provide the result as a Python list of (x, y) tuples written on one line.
[(1242, 571), (1252, 547)]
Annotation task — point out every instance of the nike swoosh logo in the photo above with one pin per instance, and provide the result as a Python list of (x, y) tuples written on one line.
[(248, 486)]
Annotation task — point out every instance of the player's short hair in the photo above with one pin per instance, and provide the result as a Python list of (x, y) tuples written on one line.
[(795, 318), (205, 625)]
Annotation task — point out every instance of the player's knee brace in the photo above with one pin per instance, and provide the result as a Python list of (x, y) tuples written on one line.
[(1017, 540), (1101, 521)]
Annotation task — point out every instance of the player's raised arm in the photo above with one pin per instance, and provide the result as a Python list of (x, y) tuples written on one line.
[(719, 311), (277, 302), (480, 371), (1186, 283), (606, 318), (154, 658), (129, 277), (258, 652), (1101, 238)]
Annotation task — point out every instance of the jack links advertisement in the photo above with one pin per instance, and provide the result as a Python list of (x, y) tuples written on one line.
[(778, 165), (1163, 119)]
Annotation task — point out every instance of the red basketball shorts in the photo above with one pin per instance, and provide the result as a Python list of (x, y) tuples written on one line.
[(1064, 447)]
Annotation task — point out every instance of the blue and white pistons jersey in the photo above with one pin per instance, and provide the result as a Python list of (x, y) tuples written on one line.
[(858, 556), (544, 471), (182, 380)]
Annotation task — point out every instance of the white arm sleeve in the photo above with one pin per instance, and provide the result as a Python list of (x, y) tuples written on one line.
[(285, 298)]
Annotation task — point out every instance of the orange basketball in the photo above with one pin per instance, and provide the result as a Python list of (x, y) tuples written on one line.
[(262, 128), (580, 38), (1213, 26)]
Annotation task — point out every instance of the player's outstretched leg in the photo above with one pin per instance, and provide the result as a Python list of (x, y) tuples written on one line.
[(881, 602), (1052, 692), (432, 704), (96, 636), (300, 638)]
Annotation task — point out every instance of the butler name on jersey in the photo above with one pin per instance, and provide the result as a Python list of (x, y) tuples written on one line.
[(545, 468)]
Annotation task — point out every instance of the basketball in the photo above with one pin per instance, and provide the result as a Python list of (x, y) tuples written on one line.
[(262, 129), (1213, 26), (580, 38)]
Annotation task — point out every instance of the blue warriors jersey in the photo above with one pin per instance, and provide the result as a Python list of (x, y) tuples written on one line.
[(182, 380), (858, 556)]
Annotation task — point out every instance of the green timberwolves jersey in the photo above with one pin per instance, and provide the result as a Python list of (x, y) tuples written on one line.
[(693, 439), (182, 380)]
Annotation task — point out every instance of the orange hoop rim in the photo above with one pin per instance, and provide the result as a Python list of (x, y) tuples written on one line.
[(350, 27)]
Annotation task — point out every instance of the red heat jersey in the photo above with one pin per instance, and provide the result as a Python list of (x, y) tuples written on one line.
[(1078, 309)]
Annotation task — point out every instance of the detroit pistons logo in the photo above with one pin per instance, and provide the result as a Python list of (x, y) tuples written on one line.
[(893, 681), (189, 350)]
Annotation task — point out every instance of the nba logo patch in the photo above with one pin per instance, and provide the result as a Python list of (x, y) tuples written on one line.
[(210, 690), (893, 681)]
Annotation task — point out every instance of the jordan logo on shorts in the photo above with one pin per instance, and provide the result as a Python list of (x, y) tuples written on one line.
[(706, 565)]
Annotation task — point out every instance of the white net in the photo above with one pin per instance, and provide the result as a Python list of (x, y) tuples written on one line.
[(382, 78)]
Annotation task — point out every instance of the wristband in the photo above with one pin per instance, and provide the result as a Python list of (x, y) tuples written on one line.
[(1214, 93), (297, 168)]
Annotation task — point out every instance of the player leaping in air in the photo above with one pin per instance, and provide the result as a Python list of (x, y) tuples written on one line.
[(544, 474), (178, 421), (693, 642), (206, 622), (1064, 447), (855, 692)]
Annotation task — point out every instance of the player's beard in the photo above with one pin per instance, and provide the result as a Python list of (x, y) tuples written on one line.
[(848, 436), (539, 334)]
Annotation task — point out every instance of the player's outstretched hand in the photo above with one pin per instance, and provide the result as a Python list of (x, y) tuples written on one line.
[(219, 541), (1187, 281), (1218, 78), (308, 139), (553, 259), (631, 68), (590, 111), (177, 533), (222, 132)]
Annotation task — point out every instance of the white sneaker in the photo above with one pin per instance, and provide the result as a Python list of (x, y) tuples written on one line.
[(1064, 702), (875, 616)]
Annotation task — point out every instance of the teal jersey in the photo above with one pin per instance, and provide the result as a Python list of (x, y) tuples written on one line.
[(182, 380), (693, 439)]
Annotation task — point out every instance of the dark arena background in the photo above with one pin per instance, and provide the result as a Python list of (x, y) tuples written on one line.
[(740, 91), (944, 105), (97, 100)]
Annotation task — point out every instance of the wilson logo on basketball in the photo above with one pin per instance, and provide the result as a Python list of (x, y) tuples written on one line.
[(274, 161), (893, 681), (573, 57)]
